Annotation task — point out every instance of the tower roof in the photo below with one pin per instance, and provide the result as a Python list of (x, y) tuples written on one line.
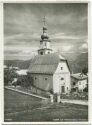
[(44, 35), (44, 28)]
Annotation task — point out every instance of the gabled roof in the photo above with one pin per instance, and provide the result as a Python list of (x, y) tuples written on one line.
[(79, 76), (45, 63)]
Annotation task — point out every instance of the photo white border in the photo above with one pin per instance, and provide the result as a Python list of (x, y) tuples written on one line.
[(89, 59)]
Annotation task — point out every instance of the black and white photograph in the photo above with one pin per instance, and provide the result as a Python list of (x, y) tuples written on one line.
[(48, 124), (46, 62)]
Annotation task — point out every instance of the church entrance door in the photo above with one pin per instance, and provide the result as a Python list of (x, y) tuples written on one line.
[(62, 89)]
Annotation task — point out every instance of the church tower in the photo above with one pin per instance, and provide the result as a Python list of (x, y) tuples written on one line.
[(44, 42)]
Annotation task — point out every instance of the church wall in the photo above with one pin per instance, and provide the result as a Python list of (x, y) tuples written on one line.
[(58, 82), (55, 83), (62, 67), (43, 81), (61, 78)]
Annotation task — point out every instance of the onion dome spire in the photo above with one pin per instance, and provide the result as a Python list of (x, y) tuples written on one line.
[(44, 35)]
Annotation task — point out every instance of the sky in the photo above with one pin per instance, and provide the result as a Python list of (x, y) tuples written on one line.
[(23, 22)]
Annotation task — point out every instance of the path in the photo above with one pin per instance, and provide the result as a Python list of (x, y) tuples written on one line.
[(20, 91), (80, 102)]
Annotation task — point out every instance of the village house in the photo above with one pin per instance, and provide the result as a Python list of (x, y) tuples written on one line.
[(49, 71), (5, 67), (79, 82), (21, 72)]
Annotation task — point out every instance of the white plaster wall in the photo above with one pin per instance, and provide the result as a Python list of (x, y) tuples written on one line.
[(67, 83), (44, 44), (65, 67), (48, 44), (57, 82), (82, 84), (46, 52)]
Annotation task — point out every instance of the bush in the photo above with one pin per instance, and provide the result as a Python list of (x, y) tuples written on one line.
[(24, 81), (86, 89), (9, 76), (51, 91)]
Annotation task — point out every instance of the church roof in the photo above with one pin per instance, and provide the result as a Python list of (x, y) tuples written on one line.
[(46, 64)]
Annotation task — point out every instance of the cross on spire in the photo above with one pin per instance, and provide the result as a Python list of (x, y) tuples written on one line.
[(44, 21)]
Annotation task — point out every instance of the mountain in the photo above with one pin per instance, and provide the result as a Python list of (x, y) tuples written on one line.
[(18, 63), (76, 62)]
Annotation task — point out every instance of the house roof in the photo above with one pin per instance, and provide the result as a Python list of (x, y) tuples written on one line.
[(79, 76), (45, 63)]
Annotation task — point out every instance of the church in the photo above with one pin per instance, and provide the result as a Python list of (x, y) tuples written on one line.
[(49, 70)]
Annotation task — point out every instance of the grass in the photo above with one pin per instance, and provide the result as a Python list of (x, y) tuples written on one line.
[(56, 112), (15, 101)]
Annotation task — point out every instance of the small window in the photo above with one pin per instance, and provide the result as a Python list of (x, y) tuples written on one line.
[(35, 78), (61, 68), (41, 53), (45, 78), (62, 78), (74, 83), (79, 83)]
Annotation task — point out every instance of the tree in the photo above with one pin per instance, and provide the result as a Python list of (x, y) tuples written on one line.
[(9, 75), (15, 84), (86, 88), (85, 70), (24, 81)]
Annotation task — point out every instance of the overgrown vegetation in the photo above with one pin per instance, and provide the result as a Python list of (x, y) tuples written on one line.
[(9, 75), (23, 80), (17, 102)]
